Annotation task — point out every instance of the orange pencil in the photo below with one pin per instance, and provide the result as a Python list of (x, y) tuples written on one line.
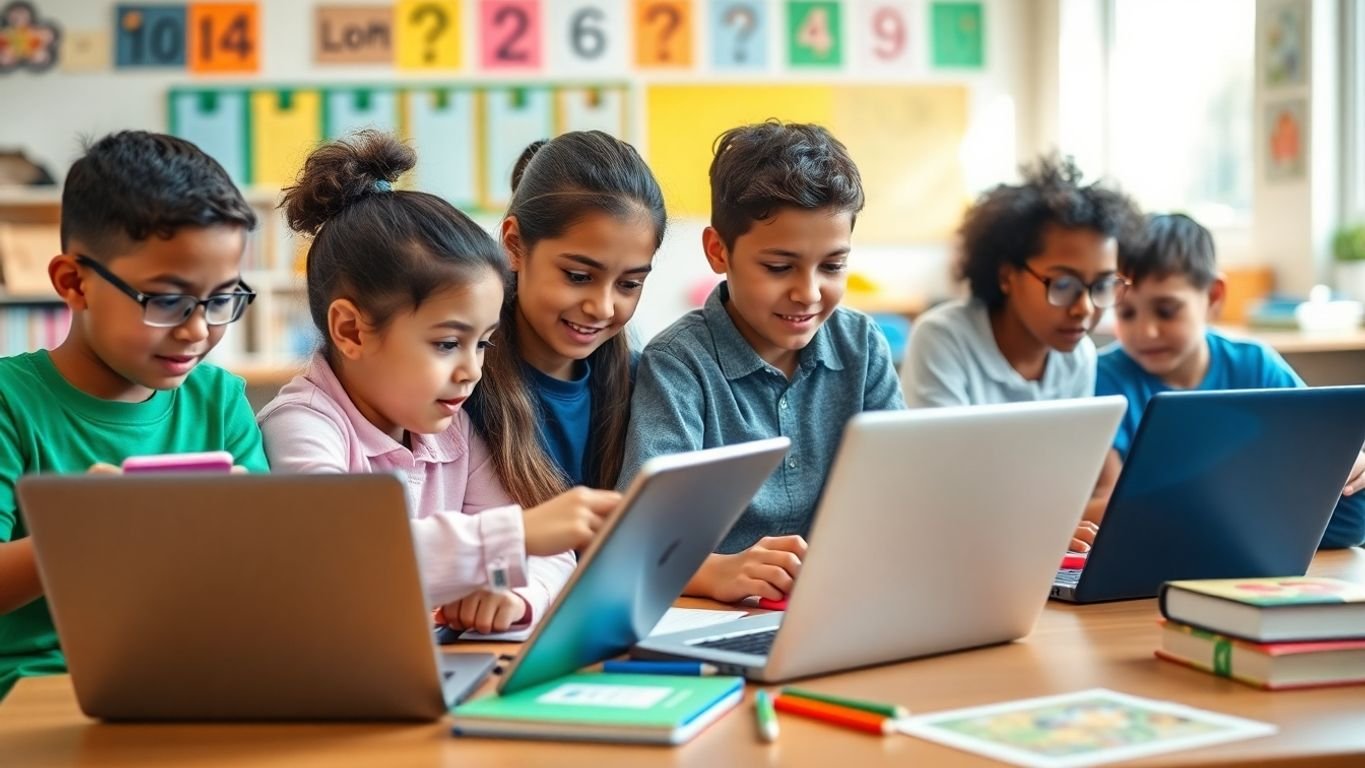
[(856, 719)]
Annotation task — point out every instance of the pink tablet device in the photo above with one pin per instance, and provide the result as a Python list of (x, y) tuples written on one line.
[(208, 461)]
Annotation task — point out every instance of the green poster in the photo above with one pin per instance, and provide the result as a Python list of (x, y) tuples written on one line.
[(815, 34), (959, 34)]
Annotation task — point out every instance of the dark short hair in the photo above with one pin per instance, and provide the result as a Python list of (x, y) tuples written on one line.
[(1174, 244), (1006, 224), (133, 185), (384, 249), (761, 168)]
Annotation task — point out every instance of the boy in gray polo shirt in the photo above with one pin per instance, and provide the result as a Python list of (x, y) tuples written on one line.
[(771, 352)]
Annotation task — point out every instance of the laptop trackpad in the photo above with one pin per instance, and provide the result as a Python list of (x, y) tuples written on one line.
[(461, 674)]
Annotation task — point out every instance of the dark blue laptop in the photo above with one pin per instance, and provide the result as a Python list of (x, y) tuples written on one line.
[(1229, 484)]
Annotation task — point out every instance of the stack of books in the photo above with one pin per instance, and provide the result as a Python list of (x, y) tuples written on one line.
[(1282, 633)]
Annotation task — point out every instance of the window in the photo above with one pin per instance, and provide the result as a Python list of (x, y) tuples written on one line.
[(1353, 112), (1180, 94)]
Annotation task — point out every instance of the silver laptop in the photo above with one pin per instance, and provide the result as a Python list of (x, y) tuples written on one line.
[(232, 597), (675, 513), (938, 530)]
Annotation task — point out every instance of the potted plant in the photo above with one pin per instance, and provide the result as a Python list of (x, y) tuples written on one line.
[(1348, 249)]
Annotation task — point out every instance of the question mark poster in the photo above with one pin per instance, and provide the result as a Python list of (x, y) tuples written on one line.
[(428, 34), (739, 35), (663, 34)]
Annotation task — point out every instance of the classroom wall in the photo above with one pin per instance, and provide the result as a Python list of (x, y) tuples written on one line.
[(58, 107), (1295, 213)]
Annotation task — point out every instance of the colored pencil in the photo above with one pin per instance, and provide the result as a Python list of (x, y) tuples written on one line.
[(766, 716), (633, 667), (885, 710), (856, 719)]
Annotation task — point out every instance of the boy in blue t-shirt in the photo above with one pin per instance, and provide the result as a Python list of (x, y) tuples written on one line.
[(1165, 343)]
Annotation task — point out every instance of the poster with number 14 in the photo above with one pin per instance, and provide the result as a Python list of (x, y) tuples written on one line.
[(588, 37)]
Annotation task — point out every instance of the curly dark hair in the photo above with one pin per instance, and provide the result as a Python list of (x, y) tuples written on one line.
[(760, 168), (132, 185), (1006, 224)]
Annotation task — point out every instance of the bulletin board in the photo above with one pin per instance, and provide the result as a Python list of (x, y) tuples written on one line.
[(468, 137), (259, 83), (905, 140)]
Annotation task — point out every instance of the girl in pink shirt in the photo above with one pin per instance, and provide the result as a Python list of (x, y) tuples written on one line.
[(406, 291)]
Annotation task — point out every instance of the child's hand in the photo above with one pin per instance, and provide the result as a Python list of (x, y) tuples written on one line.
[(568, 521), (767, 569), (1356, 480), (486, 611), (1084, 537), (103, 469)]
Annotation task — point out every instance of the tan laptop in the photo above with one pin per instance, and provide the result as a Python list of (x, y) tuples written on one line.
[(233, 597), (938, 530)]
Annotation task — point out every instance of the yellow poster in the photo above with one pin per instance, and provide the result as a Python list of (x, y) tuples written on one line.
[(684, 120), (906, 140), (285, 126), (428, 34)]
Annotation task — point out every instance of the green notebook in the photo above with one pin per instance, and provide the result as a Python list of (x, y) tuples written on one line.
[(647, 709)]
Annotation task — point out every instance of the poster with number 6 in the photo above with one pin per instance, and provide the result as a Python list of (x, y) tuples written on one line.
[(588, 37), (887, 37)]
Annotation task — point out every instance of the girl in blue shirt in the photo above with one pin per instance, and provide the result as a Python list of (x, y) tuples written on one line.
[(585, 220)]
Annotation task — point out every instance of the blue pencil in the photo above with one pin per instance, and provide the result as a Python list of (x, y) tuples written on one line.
[(688, 668)]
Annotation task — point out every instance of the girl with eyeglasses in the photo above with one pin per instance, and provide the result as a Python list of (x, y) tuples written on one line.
[(1040, 259), (406, 292)]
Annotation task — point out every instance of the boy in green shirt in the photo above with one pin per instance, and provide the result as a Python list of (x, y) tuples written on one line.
[(152, 236)]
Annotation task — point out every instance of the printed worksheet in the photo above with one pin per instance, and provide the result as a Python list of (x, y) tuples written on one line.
[(1078, 729)]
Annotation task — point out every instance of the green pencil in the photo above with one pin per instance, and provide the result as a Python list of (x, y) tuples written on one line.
[(767, 718), (885, 710)]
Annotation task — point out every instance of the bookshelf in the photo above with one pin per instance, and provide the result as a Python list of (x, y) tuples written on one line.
[(266, 347)]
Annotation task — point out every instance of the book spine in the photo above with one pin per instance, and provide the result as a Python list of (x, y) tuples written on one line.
[(1223, 670), (1161, 599)]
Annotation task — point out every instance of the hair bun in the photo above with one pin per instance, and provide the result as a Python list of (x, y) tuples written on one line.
[(519, 169), (340, 173)]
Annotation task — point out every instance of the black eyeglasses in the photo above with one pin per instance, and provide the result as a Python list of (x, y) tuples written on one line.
[(1065, 290), (171, 310)]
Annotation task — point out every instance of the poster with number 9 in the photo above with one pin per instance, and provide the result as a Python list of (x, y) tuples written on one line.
[(588, 37), (885, 37), (815, 33), (510, 35), (739, 35)]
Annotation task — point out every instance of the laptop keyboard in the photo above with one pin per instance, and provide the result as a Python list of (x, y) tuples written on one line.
[(757, 643), (1068, 577)]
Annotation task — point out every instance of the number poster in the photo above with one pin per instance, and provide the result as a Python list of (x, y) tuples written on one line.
[(593, 38)]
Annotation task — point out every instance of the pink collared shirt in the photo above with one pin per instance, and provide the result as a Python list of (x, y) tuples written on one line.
[(463, 520)]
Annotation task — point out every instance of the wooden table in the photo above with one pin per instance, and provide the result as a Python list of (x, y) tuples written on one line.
[(1072, 648)]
